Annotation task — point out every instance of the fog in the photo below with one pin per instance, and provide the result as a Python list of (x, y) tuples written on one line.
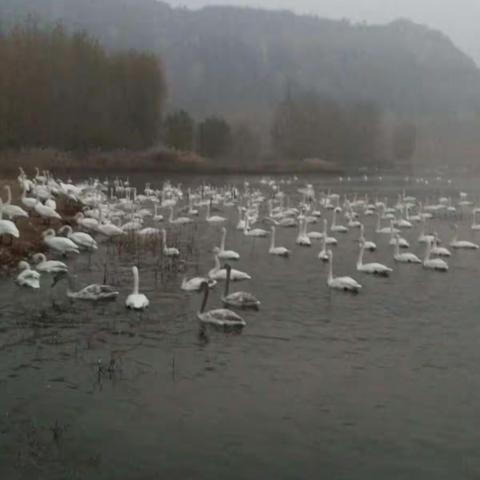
[(456, 19)]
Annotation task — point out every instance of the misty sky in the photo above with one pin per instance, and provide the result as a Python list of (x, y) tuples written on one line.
[(457, 18)]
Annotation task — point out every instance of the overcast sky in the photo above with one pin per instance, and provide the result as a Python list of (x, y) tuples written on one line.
[(457, 18)]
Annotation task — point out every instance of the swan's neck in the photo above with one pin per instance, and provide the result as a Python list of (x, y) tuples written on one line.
[(205, 298), (272, 239), (330, 269), (397, 246), (222, 243), (227, 283), (360, 256), (427, 253), (164, 235), (208, 211), (171, 214), (136, 281), (334, 218), (9, 195), (217, 263)]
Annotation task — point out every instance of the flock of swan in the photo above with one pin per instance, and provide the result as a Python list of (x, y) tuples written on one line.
[(112, 209)]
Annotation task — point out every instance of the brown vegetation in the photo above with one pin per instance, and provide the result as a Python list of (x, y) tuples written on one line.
[(30, 241)]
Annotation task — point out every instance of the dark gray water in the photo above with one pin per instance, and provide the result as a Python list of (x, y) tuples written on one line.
[(318, 385)]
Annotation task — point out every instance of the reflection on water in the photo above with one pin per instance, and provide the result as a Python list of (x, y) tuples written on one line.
[(378, 385)]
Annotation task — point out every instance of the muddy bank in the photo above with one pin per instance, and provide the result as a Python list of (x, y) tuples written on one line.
[(12, 250)]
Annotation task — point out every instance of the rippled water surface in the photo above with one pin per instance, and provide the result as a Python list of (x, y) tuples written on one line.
[(319, 384)]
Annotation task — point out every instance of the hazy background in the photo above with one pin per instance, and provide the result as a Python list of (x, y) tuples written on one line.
[(458, 19)]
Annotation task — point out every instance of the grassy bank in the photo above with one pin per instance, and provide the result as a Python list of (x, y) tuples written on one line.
[(154, 160)]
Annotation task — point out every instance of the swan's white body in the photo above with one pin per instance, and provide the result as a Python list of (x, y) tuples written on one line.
[(195, 284), (28, 277), (462, 244), (434, 263), (226, 254), (168, 251), (274, 250), (253, 232), (213, 219), (347, 284), (48, 266), (7, 227), (59, 244), (371, 268), (439, 251), (404, 257), (220, 317), (87, 222), (46, 212), (370, 246), (179, 220), (241, 300), (220, 274), (136, 300), (83, 240), (302, 238), (337, 228)]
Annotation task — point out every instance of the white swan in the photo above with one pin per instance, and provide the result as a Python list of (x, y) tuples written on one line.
[(323, 254), (46, 212), (194, 284), (136, 301), (28, 277), (462, 244), (10, 210), (273, 250), (48, 266), (212, 219), (475, 225), (372, 268), (168, 251), (83, 240), (404, 257), (220, 317), (86, 222), (7, 227), (302, 237), (242, 300), (370, 246), (439, 251), (178, 220), (59, 244), (434, 263), (424, 238), (218, 273), (93, 293), (395, 238), (337, 228), (328, 240), (347, 284), (253, 232), (226, 254)]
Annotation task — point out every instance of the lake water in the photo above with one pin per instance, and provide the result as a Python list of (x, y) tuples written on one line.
[(320, 384)]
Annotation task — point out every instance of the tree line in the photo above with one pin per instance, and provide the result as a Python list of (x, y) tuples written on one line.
[(65, 90), (213, 137)]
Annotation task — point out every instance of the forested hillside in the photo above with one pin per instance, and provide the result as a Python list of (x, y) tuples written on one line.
[(237, 60)]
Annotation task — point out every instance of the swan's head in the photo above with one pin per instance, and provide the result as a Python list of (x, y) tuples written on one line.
[(216, 250), (38, 258), (79, 216), (48, 233), (23, 265)]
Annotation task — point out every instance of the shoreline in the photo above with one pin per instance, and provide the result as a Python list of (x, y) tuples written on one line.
[(152, 161)]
